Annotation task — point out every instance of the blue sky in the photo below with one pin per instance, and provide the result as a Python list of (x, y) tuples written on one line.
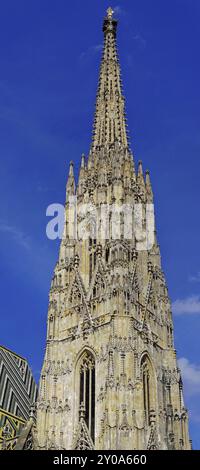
[(49, 61)]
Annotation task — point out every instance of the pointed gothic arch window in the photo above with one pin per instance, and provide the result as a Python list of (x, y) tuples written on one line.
[(148, 383), (87, 389)]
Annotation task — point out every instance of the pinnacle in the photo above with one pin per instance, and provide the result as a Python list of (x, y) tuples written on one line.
[(148, 187), (71, 181), (82, 160), (71, 168), (140, 169)]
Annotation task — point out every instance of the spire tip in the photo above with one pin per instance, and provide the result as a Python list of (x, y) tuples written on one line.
[(71, 168), (83, 160), (140, 169), (110, 12)]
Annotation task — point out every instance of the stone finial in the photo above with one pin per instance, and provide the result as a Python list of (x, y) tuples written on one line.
[(71, 168), (148, 187), (148, 181), (140, 169), (109, 13), (82, 174), (147, 176), (83, 160), (71, 180)]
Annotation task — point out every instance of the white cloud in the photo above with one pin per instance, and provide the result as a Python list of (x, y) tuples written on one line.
[(38, 256), (18, 235), (42, 188), (92, 50), (191, 376), (96, 48), (140, 40), (189, 305), (118, 10), (195, 278)]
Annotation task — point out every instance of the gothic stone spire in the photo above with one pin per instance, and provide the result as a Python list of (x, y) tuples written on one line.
[(110, 348), (109, 121)]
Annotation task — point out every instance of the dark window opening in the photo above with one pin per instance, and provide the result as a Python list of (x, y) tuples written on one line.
[(146, 390), (87, 391), (107, 254)]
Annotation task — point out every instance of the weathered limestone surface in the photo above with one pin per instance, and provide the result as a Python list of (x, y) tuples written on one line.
[(109, 301)]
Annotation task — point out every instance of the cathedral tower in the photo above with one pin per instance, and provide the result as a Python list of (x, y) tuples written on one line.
[(110, 378)]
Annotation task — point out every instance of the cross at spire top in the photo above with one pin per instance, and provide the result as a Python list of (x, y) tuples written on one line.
[(110, 12)]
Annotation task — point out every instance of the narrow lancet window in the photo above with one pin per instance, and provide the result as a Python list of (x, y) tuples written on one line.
[(87, 390), (148, 389)]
